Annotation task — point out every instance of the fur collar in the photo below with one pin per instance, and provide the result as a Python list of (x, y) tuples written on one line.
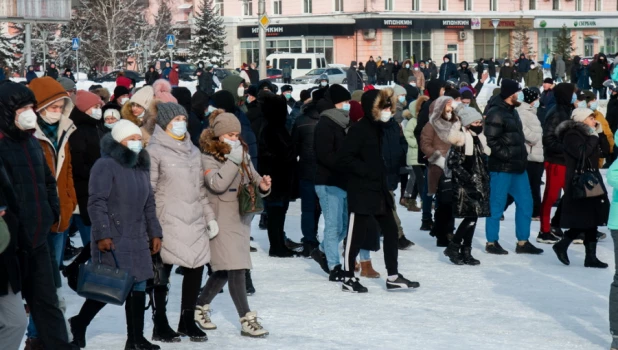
[(563, 128), (209, 144), (149, 120), (385, 96), (124, 156)]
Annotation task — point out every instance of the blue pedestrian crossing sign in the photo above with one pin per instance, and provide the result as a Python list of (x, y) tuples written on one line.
[(75, 44), (170, 41)]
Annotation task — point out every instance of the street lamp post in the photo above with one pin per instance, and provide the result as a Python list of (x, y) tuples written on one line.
[(495, 22)]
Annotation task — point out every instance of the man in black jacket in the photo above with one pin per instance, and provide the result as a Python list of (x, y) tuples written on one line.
[(206, 81), (254, 74), (361, 158), (507, 169), (303, 137), (448, 69), (371, 69), (555, 163)]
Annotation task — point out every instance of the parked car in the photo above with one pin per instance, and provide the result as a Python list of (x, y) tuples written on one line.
[(336, 75), (300, 63), (362, 72), (113, 75), (274, 75)]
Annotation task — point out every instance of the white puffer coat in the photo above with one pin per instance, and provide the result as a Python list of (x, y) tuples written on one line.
[(533, 132)]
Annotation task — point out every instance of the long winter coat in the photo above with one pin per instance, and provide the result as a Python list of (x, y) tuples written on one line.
[(303, 135), (408, 132), (448, 69), (465, 74), (394, 149), (589, 212), (598, 116), (177, 179), (552, 146), (122, 207), (560, 67), (371, 68), (491, 68), (576, 69), (533, 132), (404, 73), (420, 79), (599, 72), (534, 77), (10, 277), (583, 78), (354, 78), (505, 138), (230, 248), (433, 88), (152, 76)]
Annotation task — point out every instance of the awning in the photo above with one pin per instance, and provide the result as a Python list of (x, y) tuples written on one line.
[(185, 6), (593, 37)]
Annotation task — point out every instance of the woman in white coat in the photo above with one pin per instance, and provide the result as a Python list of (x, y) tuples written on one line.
[(185, 214)]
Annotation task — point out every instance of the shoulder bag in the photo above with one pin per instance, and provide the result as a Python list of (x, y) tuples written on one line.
[(249, 199), (586, 182), (104, 283)]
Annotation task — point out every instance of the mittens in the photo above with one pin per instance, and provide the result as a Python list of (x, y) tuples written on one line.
[(213, 229)]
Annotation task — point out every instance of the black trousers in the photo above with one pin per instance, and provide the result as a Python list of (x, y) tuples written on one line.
[(444, 221), (287, 80), (276, 223), (357, 232), (465, 232), (403, 183), (191, 283), (535, 175), (590, 234)]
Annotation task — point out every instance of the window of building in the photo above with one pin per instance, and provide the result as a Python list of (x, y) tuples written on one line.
[(467, 5), (442, 5), (579, 5), (555, 5), (416, 6), (277, 7), (324, 46), (338, 5), (611, 40), (532, 5), (597, 5), (409, 43), (484, 43), (547, 39), (249, 51), (247, 8), (218, 7), (493, 5), (388, 5), (307, 6)]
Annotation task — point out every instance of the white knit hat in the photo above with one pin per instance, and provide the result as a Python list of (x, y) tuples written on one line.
[(143, 96), (580, 114), (124, 129), (112, 112)]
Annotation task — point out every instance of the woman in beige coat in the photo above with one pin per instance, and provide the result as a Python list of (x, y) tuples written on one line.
[(223, 160), (185, 215)]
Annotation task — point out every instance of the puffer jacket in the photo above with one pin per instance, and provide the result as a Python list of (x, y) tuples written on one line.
[(533, 132), (408, 132), (534, 77), (505, 138), (303, 135), (394, 148), (448, 69), (328, 139), (552, 147), (183, 209)]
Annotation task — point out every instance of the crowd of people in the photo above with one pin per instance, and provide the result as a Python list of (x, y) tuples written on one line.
[(156, 177)]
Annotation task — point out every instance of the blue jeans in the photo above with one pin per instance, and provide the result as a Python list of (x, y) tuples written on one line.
[(139, 286), (492, 80), (364, 255), (427, 200), (84, 231), (518, 186), (310, 212), (335, 208), (601, 92)]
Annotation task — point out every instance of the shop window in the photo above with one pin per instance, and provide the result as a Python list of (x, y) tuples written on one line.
[(493, 5), (532, 5), (247, 8), (442, 5), (555, 5), (579, 5), (597, 5), (277, 7), (467, 5), (219, 7), (484, 43), (409, 43), (611, 40), (324, 46), (388, 5), (416, 6), (249, 51), (307, 6), (338, 5)]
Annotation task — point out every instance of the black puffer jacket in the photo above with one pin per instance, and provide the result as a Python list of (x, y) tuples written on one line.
[(33, 182), (433, 88), (328, 139), (9, 263), (505, 138), (465, 74), (85, 151), (207, 84), (394, 148), (599, 71), (612, 113), (553, 149), (303, 136)]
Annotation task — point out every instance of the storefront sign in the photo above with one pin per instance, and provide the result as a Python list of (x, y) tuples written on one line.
[(508, 23), (455, 24), (575, 23), (298, 30), (415, 23)]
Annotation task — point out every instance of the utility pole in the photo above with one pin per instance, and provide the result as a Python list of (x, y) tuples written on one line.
[(262, 35)]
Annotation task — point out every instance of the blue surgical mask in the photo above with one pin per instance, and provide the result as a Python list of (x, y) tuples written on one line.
[(408, 66), (110, 125), (582, 104), (520, 96), (323, 83), (536, 104), (402, 99), (179, 128), (594, 105), (248, 100), (574, 98), (209, 110), (346, 107), (135, 146), (466, 105), (288, 96)]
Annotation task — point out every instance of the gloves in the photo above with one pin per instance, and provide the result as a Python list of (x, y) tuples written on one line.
[(235, 155), (213, 229), (441, 162)]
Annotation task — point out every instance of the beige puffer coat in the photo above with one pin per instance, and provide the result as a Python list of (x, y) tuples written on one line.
[(182, 203), (533, 132)]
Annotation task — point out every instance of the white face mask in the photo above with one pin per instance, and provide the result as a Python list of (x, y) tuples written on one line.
[(179, 128), (532, 66), (110, 125), (507, 64), (241, 91), (233, 144), (413, 84), (415, 68), (141, 115), (446, 60), (454, 104), (26, 120), (323, 83), (449, 115), (97, 114), (135, 146), (51, 117), (124, 100), (385, 116)]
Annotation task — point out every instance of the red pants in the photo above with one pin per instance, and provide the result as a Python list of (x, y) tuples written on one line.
[(554, 182)]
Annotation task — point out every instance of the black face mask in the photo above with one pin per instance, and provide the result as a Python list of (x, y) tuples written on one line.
[(477, 129)]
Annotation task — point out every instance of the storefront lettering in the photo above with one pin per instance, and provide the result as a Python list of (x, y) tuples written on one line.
[(397, 22), (460, 22), (271, 29), (585, 24)]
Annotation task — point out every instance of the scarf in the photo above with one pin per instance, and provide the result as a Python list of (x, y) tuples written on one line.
[(340, 117), (50, 131), (469, 145)]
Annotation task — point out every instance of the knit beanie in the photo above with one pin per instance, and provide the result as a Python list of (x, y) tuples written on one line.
[(357, 94), (580, 114), (143, 96), (225, 123), (530, 95), (411, 79), (399, 90), (46, 91), (120, 90), (356, 111), (452, 93), (509, 88), (112, 112), (163, 91), (467, 115), (338, 94), (85, 100), (67, 84), (124, 129), (304, 95), (167, 111), (467, 95), (548, 81)]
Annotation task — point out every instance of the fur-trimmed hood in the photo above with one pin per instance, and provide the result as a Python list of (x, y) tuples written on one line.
[(568, 125), (210, 144), (383, 99), (447, 130), (124, 156)]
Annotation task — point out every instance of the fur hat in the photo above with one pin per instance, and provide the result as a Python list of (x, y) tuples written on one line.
[(399, 90), (163, 91), (166, 111), (530, 95), (124, 129), (143, 96), (224, 123), (375, 101), (580, 114), (338, 94), (86, 100)]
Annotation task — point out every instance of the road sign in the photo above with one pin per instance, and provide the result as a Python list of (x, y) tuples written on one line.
[(264, 21), (170, 41), (75, 44)]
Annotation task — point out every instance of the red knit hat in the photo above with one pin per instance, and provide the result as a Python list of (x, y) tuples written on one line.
[(356, 111), (85, 100)]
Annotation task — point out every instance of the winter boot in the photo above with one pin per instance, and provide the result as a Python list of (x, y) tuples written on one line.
[(591, 256), (162, 331), (187, 327), (426, 225), (34, 344), (467, 258), (251, 327), (561, 248), (134, 309), (452, 252), (201, 315), (80, 322), (249, 283), (368, 271), (308, 247), (412, 206), (404, 243), (320, 258)]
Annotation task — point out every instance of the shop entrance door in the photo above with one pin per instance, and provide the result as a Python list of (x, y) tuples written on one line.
[(452, 50), (588, 47)]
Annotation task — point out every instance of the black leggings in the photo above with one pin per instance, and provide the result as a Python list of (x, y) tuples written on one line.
[(465, 232), (590, 234), (238, 289), (191, 282), (403, 183)]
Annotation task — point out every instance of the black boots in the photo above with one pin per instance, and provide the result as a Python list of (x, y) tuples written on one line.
[(71, 272), (249, 283), (161, 331), (134, 309), (561, 248), (591, 256), (80, 322), (452, 252), (467, 258), (187, 327)]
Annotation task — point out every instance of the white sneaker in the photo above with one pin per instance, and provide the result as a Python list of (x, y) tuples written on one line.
[(251, 327), (202, 317)]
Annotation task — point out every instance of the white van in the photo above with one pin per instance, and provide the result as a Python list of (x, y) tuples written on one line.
[(301, 63)]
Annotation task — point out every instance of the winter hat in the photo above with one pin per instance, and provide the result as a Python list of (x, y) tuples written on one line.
[(86, 100), (163, 91), (285, 88), (452, 93), (167, 111), (112, 112), (399, 90), (416, 65), (252, 90), (102, 93), (356, 111), (93, 87), (123, 81), (143, 96), (123, 129), (467, 115), (530, 95), (548, 81), (367, 102), (338, 94), (509, 88), (465, 88), (369, 87), (318, 94), (305, 95), (580, 114), (585, 61), (225, 123), (495, 92), (67, 84), (119, 91), (46, 91), (356, 95), (589, 95), (467, 95), (411, 78)]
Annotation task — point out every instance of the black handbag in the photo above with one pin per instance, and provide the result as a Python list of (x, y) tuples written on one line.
[(104, 283), (586, 182), (161, 278)]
